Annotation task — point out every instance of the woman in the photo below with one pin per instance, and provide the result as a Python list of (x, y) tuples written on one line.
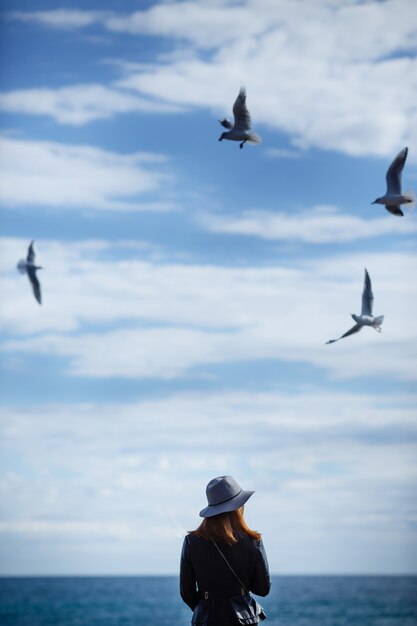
[(223, 560)]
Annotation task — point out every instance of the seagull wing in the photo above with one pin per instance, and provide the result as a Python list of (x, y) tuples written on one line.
[(367, 295), (31, 253), (356, 328), (226, 123), (35, 284), (394, 173), (395, 210), (240, 112)]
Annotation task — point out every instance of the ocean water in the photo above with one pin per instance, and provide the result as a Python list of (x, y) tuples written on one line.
[(154, 601)]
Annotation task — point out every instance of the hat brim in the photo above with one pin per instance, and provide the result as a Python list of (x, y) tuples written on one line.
[(225, 507)]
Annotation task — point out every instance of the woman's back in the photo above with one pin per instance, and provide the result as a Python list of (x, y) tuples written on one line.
[(247, 557), (223, 560)]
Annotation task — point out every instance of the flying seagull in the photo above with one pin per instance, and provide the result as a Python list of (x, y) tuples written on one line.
[(394, 197), (365, 318), (28, 267), (240, 130)]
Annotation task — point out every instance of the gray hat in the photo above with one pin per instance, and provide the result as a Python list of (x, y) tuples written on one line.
[(224, 494)]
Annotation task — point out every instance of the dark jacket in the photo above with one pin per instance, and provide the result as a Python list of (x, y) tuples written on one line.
[(204, 569)]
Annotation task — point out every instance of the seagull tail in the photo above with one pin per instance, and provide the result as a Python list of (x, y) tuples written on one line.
[(21, 266), (412, 200), (253, 138), (378, 320)]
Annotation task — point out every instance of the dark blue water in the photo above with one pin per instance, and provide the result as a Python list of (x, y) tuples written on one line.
[(154, 601)]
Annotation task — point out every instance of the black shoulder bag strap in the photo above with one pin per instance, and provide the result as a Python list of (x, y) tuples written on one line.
[(231, 568)]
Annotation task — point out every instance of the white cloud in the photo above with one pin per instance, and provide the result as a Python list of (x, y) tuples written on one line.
[(316, 225), (340, 78), (161, 319), (80, 104), (115, 530), (117, 475), (59, 176), (205, 25), (173, 352), (221, 21), (344, 108), (59, 18)]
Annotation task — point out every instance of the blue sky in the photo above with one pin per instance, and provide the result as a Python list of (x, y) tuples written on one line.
[(190, 286)]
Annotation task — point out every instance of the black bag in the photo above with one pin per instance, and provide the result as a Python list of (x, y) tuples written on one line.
[(247, 610)]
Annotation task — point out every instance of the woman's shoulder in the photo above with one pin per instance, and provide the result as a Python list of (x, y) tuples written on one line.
[(246, 544), (251, 541), (243, 540), (191, 538)]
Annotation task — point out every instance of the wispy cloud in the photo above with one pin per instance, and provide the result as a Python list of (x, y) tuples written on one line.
[(174, 317), (205, 25), (85, 473), (317, 225), (329, 83), (173, 352), (60, 18), (80, 104), (213, 323), (62, 176)]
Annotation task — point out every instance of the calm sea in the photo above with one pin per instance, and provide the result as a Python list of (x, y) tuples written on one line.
[(154, 601)]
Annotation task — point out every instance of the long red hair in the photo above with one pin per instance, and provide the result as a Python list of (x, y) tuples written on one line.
[(227, 527)]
